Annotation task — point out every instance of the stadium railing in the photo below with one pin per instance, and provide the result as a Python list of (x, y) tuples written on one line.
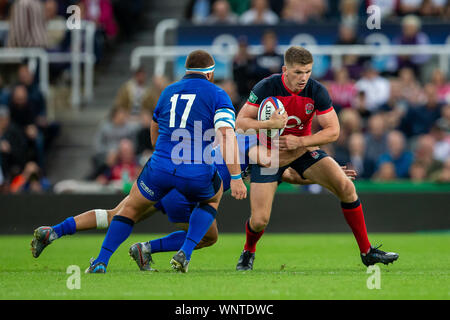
[(76, 57), (163, 53), (167, 53)]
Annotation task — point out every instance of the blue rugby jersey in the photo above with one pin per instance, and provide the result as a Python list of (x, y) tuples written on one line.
[(185, 115)]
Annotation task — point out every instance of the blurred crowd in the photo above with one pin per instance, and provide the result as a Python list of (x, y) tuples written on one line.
[(395, 124), (271, 12), (43, 23), (26, 133)]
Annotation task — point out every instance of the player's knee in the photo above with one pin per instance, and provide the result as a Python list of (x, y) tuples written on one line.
[(346, 190), (259, 223)]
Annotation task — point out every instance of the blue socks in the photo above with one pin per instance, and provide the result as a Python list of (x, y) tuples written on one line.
[(201, 219), (66, 227), (119, 230), (171, 242)]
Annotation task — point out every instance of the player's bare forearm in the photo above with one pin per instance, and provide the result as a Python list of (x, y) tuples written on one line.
[(322, 137), (328, 134), (229, 149), (154, 132)]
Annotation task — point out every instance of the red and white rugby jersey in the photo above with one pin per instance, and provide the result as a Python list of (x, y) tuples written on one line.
[(300, 106)]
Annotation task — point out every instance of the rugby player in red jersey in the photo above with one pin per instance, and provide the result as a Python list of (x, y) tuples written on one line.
[(302, 98)]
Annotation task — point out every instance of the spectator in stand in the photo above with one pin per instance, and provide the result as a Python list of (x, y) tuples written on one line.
[(56, 24), (302, 11), (376, 138), (438, 78), (50, 130), (198, 10), (406, 7), (411, 89), (221, 14), (424, 153), (431, 8), (259, 13), (349, 11), (58, 37), (124, 168), (109, 135), (419, 120), (411, 35), (31, 180), (22, 115), (397, 154), (385, 173), (350, 122), (342, 90), (396, 107), (100, 12), (417, 172), (269, 62), (27, 25), (442, 175), (135, 95), (353, 63), (441, 150), (357, 156), (375, 88), (244, 69), (13, 146), (347, 35)]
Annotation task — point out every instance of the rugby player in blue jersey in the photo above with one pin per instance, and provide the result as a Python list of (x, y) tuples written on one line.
[(189, 114), (177, 208)]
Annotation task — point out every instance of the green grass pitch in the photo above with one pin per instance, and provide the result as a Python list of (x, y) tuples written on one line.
[(287, 266)]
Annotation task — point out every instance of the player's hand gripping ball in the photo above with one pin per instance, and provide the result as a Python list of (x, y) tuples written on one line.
[(267, 107)]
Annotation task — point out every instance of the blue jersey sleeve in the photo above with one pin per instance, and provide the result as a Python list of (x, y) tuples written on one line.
[(223, 100)]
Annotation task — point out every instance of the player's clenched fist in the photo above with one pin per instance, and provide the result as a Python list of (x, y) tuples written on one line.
[(277, 120), (238, 189)]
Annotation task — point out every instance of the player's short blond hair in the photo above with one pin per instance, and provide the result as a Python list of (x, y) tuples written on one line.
[(297, 55)]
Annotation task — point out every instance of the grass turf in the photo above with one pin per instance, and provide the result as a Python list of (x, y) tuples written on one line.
[(287, 266)]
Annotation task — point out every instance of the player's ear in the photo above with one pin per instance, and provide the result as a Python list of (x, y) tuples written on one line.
[(283, 69), (210, 76)]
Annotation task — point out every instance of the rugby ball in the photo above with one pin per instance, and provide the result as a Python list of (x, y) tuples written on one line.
[(267, 107)]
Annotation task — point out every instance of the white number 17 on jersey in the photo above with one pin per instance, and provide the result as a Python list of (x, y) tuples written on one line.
[(190, 98)]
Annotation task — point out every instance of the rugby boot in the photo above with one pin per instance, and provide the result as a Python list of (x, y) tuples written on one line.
[(98, 267), (141, 253), (245, 261), (376, 256), (179, 262), (42, 237)]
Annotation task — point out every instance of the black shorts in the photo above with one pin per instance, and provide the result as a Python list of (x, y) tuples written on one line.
[(265, 175)]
